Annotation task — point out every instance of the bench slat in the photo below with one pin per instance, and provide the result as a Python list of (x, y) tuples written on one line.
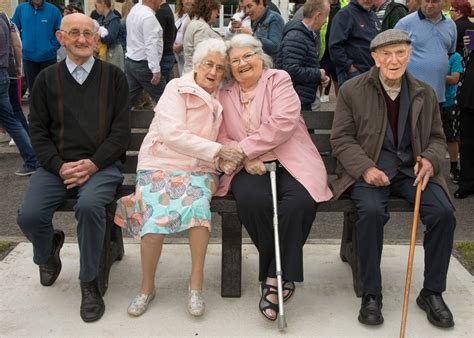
[(227, 204), (130, 164), (318, 119), (136, 140), (141, 118), (313, 120), (322, 142)]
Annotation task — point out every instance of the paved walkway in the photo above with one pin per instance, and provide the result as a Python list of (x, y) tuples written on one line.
[(323, 306)]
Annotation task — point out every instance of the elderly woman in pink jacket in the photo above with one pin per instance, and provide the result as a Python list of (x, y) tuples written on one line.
[(176, 173), (262, 117)]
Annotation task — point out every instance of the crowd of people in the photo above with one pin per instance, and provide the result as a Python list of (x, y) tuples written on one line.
[(404, 82)]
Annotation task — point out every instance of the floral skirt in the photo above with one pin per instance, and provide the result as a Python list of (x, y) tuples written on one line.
[(166, 202)]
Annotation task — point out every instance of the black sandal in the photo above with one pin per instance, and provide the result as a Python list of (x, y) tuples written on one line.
[(290, 287), (265, 304)]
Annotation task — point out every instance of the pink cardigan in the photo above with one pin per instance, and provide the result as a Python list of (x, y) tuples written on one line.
[(183, 132), (282, 130)]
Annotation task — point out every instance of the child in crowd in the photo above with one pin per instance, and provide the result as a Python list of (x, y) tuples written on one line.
[(450, 114)]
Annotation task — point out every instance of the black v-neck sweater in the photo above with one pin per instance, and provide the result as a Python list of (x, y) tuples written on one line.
[(65, 116)]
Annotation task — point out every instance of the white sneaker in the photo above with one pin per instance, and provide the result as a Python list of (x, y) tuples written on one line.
[(26, 96), (4, 137), (12, 143), (324, 98)]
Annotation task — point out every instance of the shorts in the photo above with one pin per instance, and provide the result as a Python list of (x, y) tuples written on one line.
[(450, 118)]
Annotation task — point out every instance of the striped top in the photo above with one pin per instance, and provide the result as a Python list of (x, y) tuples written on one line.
[(432, 42)]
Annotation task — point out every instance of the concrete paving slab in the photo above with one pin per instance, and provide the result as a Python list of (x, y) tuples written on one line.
[(323, 306)]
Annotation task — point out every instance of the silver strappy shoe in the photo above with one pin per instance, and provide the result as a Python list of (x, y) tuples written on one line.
[(140, 303), (196, 304)]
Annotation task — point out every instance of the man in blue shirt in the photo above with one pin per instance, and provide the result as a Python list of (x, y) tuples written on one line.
[(433, 38), (37, 22)]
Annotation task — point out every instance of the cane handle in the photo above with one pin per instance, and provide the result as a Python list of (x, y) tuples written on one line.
[(270, 166)]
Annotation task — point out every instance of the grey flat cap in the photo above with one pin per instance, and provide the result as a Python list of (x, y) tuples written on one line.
[(389, 37)]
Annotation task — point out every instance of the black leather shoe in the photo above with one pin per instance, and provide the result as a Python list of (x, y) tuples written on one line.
[(49, 271), (371, 310), (462, 193), (436, 309), (92, 305)]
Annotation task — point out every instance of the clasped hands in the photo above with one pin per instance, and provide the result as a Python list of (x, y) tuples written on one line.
[(378, 178), (230, 157), (75, 174)]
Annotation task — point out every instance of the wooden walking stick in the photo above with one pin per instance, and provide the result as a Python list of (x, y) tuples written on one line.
[(416, 214)]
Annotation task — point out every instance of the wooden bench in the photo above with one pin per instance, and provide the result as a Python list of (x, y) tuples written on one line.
[(319, 125)]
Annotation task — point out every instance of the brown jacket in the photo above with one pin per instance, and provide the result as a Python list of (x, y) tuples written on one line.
[(359, 127)]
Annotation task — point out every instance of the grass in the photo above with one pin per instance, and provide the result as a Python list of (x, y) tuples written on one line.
[(4, 246), (466, 250)]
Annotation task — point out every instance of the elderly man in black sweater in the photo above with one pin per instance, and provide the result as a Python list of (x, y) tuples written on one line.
[(79, 127)]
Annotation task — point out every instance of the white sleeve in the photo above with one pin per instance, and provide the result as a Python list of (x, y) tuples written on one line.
[(153, 36)]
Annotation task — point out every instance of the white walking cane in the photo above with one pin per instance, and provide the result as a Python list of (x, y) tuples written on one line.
[(271, 167)]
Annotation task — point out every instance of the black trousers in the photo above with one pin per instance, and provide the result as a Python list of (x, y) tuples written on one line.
[(437, 214), (296, 213), (466, 180), (33, 68)]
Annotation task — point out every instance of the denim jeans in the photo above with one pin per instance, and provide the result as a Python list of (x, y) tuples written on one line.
[(32, 69), (16, 104), (166, 65), (12, 125), (343, 76)]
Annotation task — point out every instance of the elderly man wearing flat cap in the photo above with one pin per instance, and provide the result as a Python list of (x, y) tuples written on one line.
[(384, 119)]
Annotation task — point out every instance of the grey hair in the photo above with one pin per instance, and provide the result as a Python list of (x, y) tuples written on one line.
[(208, 46), (246, 40)]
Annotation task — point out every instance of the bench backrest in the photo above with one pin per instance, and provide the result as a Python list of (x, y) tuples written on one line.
[(319, 125)]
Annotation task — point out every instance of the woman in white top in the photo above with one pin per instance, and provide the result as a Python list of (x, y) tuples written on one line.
[(203, 15), (182, 9)]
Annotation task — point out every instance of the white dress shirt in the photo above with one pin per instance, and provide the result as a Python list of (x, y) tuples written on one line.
[(144, 37), (80, 73)]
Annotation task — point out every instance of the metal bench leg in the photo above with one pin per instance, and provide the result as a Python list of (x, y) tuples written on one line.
[(112, 249), (348, 252), (231, 279)]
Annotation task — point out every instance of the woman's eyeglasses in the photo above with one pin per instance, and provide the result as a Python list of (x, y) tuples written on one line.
[(209, 65), (245, 58)]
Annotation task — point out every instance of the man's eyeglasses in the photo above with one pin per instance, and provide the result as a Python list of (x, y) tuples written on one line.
[(245, 58), (209, 65), (76, 33)]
